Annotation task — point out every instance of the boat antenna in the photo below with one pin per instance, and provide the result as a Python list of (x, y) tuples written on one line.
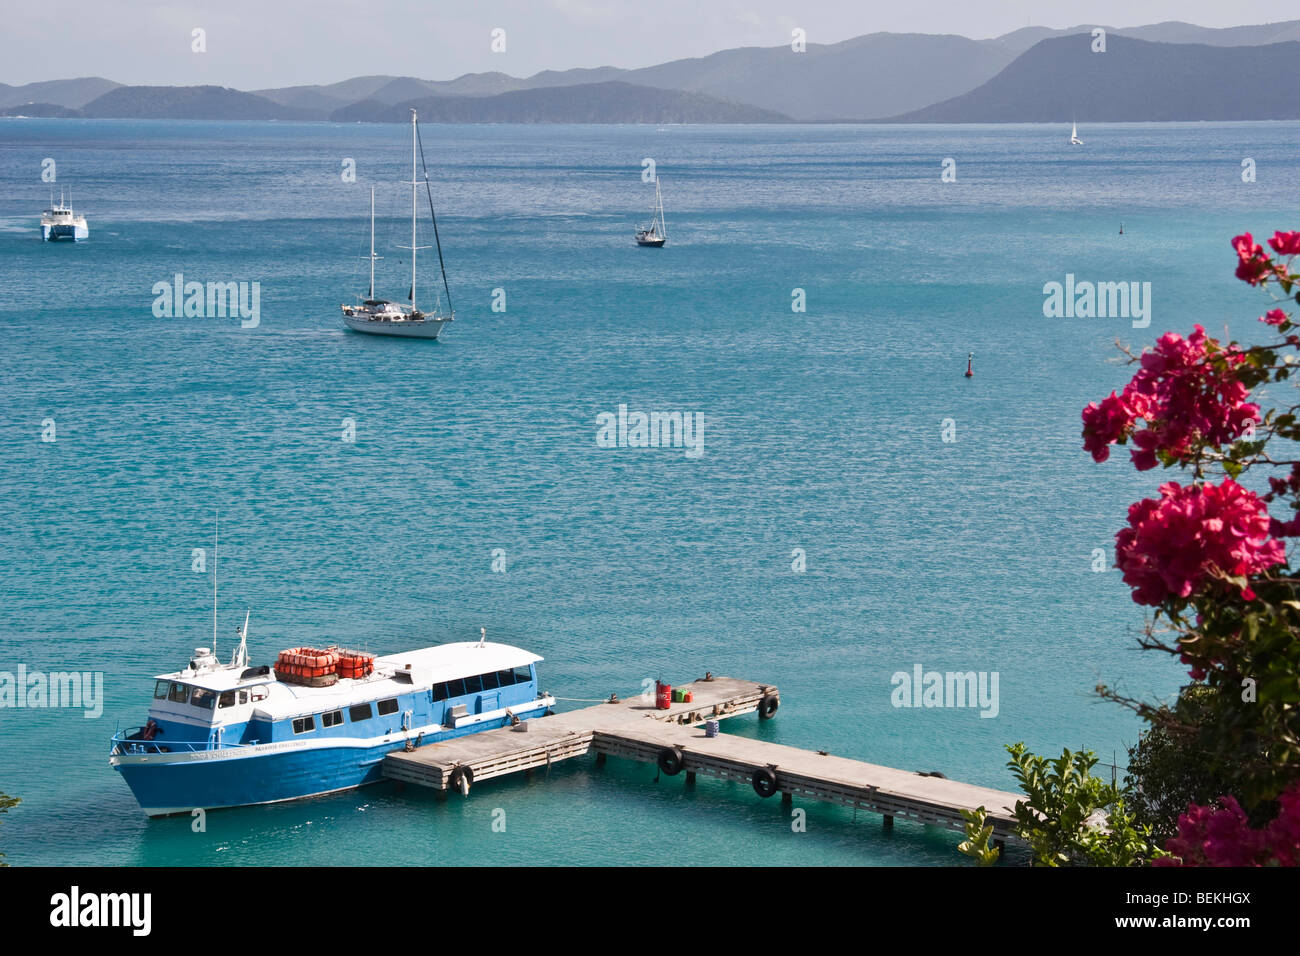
[(433, 216)]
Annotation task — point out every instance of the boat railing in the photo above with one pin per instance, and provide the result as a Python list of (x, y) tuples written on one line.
[(132, 742)]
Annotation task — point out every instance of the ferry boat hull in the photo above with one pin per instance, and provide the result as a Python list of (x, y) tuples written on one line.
[(165, 784), (72, 232)]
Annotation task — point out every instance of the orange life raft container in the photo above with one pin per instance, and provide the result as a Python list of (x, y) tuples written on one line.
[(355, 664), (307, 665)]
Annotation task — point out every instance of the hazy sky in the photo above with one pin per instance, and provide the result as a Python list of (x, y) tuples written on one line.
[(263, 43)]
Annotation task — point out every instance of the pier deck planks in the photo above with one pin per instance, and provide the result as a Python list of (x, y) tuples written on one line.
[(635, 730)]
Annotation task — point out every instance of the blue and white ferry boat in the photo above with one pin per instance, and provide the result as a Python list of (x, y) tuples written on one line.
[(229, 735)]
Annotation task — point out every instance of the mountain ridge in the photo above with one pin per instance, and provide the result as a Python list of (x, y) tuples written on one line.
[(1133, 81), (877, 77)]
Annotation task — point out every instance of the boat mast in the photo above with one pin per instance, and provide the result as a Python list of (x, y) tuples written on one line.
[(412, 210), (414, 184), (372, 243), (659, 198), (433, 217)]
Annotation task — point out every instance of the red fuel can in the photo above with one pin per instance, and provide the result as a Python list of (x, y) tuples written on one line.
[(663, 695)]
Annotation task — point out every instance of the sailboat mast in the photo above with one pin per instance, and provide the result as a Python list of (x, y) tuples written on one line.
[(372, 243), (413, 187)]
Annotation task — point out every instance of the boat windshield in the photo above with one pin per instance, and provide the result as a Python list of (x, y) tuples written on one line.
[(203, 698)]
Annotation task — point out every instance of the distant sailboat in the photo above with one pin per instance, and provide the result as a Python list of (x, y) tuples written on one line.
[(1074, 135), (382, 317), (656, 233)]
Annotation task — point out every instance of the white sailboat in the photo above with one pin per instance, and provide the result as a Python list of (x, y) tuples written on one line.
[(383, 316), (656, 232), (1074, 135)]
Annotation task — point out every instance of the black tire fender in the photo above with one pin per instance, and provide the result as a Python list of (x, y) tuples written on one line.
[(768, 705), (671, 761), (461, 776), (764, 781)]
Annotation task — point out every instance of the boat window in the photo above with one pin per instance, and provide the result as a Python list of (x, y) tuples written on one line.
[(490, 681), (227, 699), (439, 692), (204, 698), (243, 697), (160, 689), (360, 712), (333, 718), (455, 688), (179, 693), (302, 725), (523, 674), (258, 693), (505, 678), (388, 706), (473, 684)]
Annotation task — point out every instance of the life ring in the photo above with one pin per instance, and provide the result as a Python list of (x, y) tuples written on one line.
[(764, 781), (462, 778), (150, 729), (768, 705), (671, 761)]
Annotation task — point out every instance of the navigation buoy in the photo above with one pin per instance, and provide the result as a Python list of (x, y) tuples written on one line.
[(1121, 229), (969, 371)]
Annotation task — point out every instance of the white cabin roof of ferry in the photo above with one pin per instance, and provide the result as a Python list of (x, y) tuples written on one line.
[(429, 665)]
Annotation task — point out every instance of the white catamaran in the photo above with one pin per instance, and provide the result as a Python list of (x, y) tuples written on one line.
[(60, 222), (656, 233), (382, 316)]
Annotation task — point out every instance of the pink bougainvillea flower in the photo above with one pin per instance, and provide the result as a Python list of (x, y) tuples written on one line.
[(1221, 835), (1253, 264), (1180, 543), (1105, 424), (1285, 243), (1183, 395), (1246, 246), (1273, 317)]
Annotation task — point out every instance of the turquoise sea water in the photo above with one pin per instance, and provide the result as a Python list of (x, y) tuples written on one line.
[(823, 432)]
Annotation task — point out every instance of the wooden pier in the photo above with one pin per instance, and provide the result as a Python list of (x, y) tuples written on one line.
[(675, 740)]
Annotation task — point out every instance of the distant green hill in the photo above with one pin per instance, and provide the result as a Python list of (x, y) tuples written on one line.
[(72, 94), (584, 103), (39, 109), (190, 102)]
